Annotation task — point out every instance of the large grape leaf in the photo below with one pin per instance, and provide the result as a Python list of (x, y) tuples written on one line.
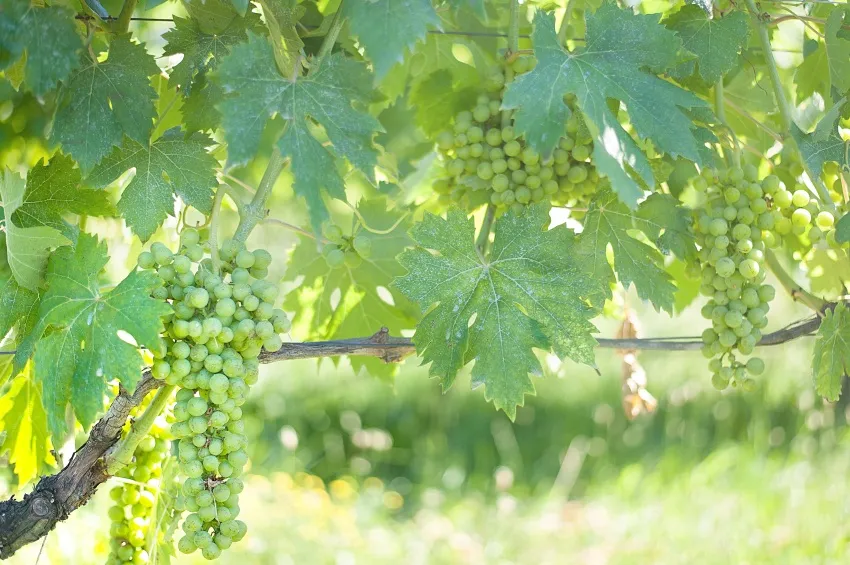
[(281, 17), (622, 50), (79, 348), (173, 164), (530, 293), (388, 28), (26, 248), (607, 223), (328, 97), (201, 51), (346, 302), (828, 64), (103, 101), (715, 42), (831, 358), (46, 35), (54, 188), (23, 429)]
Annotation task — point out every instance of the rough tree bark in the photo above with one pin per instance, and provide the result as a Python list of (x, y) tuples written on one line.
[(55, 497)]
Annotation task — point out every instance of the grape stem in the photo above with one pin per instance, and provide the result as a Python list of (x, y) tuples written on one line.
[(720, 110), (486, 226), (797, 293), (214, 215), (122, 455), (784, 107), (565, 22), (513, 46), (123, 23), (255, 211)]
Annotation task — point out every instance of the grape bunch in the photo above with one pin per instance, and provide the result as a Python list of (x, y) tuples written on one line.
[(133, 513), (804, 219), (220, 324), (733, 230), (343, 250), (486, 162)]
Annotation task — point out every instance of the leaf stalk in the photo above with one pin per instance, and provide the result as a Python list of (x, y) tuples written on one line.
[(123, 453)]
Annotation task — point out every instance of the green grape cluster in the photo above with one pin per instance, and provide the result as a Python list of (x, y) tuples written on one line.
[(221, 322), (486, 162), (733, 230), (342, 250), (804, 218), (133, 512)]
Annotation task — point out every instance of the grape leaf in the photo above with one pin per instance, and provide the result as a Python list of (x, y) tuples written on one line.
[(359, 307), (26, 248), (828, 269), (529, 294), (173, 164), (201, 51), (687, 287), (816, 150), (79, 349), (437, 101), (387, 28), (831, 357), (46, 35), (621, 48), (103, 101), (213, 16), (828, 65), (23, 429), (16, 303), (715, 42), (199, 109), (607, 223), (53, 189), (281, 17), (258, 91), (668, 225)]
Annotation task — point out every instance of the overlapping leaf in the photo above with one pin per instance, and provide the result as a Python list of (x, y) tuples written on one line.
[(202, 51), (607, 223), (621, 49), (831, 358), (79, 349), (54, 188), (281, 17), (386, 29), (173, 164), (667, 224), (715, 42), (827, 64), (530, 293), (48, 38), (16, 303), (104, 101), (328, 97), (26, 248), (23, 429), (347, 302)]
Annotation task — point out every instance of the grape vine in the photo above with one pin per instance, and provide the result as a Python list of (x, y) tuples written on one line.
[(425, 154)]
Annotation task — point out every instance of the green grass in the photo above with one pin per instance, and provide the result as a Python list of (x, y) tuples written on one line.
[(733, 507)]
